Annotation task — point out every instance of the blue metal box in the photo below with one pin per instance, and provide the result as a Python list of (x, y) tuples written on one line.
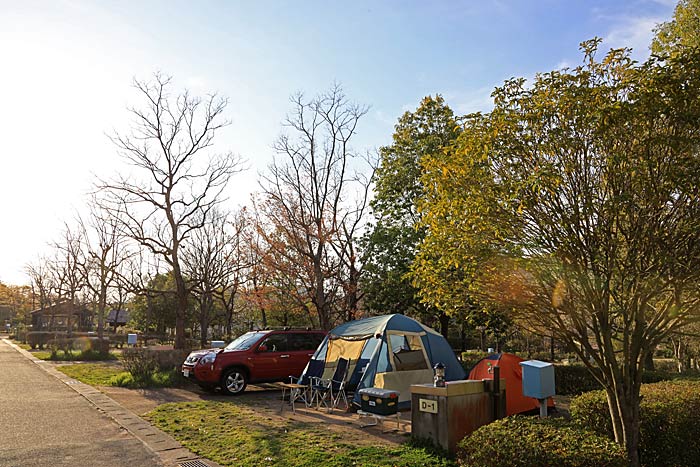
[(538, 379)]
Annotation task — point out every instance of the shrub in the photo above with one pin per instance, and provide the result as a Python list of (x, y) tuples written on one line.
[(471, 358), (119, 340), (62, 344), (670, 421), (574, 379), (123, 380), (158, 378), (141, 363), (168, 359), (41, 338), (525, 441)]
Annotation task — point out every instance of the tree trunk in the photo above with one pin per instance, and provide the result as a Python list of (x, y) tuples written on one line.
[(624, 412), (444, 324), (204, 310), (320, 299), (263, 317), (101, 305), (181, 312), (551, 348), (649, 361)]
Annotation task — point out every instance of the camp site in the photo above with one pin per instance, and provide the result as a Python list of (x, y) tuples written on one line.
[(407, 233)]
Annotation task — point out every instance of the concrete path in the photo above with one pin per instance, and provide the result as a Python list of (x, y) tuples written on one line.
[(43, 422)]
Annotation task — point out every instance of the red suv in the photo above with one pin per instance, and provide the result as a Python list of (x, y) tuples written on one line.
[(255, 357)]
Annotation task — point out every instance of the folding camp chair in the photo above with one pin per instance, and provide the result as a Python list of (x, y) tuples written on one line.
[(329, 392), (300, 388)]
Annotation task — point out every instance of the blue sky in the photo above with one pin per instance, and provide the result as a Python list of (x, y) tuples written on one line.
[(67, 68)]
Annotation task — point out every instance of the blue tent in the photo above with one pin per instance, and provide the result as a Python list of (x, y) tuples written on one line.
[(390, 352)]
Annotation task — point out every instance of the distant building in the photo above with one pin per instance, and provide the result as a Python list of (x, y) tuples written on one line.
[(117, 318), (55, 317)]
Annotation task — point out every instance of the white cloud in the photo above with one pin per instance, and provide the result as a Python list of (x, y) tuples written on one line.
[(634, 32), (475, 100), (563, 64)]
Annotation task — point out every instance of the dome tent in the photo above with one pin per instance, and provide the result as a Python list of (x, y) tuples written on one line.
[(389, 352), (512, 372)]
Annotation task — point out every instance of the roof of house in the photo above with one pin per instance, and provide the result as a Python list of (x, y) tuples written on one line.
[(117, 317)]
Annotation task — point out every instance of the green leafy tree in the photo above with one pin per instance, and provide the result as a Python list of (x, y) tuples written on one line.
[(392, 243), (575, 203), (154, 308), (682, 31)]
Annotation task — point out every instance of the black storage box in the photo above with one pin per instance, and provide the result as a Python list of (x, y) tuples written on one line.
[(379, 401)]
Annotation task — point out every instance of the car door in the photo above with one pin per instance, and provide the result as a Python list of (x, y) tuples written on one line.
[(271, 356)]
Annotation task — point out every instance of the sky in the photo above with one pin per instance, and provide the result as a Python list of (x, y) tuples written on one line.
[(68, 67)]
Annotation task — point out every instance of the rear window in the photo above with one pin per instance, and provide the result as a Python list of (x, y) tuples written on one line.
[(245, 341), (305, 341)]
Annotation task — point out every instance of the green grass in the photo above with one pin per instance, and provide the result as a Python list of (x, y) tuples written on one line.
[(85, 356), (232, 435), (96, 374)]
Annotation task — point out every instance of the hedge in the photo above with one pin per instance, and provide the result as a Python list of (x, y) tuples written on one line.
[(526, 441), (576, 379), (471, 358), (670, 421)]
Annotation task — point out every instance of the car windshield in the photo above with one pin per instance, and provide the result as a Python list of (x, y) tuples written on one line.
[(245, 341)]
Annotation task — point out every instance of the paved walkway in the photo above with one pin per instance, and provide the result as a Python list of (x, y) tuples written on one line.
[(43, 422)]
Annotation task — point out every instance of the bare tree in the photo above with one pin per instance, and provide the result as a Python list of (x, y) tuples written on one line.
[(239, 225), (41, 281), (346, 245), (68, 278), (105, 252), (211, 261), (306, 196), (168, 145)]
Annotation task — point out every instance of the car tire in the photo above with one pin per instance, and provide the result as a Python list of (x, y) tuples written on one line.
[(234, 381)]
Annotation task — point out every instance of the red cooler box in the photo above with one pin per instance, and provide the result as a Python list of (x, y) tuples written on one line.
[(379, 401)]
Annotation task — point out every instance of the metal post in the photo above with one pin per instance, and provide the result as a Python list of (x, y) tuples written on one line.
[(496, 393), (543, 408)]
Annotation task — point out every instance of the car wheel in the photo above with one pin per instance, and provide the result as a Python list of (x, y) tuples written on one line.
[(234, 381)]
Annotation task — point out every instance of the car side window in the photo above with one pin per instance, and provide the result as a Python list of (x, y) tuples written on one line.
[(316, 340), (299, 342), (305, 341), (275, 343)]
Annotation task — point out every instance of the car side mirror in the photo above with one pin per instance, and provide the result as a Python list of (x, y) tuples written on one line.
[(262, 348)]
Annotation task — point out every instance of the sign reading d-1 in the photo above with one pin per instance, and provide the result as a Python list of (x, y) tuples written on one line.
[(427, 405)]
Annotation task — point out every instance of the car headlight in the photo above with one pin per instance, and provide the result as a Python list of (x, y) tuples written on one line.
[(207, 359), (192, 359)]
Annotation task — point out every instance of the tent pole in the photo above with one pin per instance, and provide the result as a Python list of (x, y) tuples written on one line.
[(496, 392)]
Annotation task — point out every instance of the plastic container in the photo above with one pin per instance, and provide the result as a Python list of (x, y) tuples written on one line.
[(379, 401)]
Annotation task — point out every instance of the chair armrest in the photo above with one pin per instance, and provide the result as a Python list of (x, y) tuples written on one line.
[(318, 381)]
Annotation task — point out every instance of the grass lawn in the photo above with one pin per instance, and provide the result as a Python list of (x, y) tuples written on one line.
[(232, 435), (96, 374), (86, 356)]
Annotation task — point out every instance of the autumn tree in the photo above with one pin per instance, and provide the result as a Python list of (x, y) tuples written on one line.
[(575, 202), (308, 198), (392, 243), (15, 303), (176, 180), (682, 31)]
